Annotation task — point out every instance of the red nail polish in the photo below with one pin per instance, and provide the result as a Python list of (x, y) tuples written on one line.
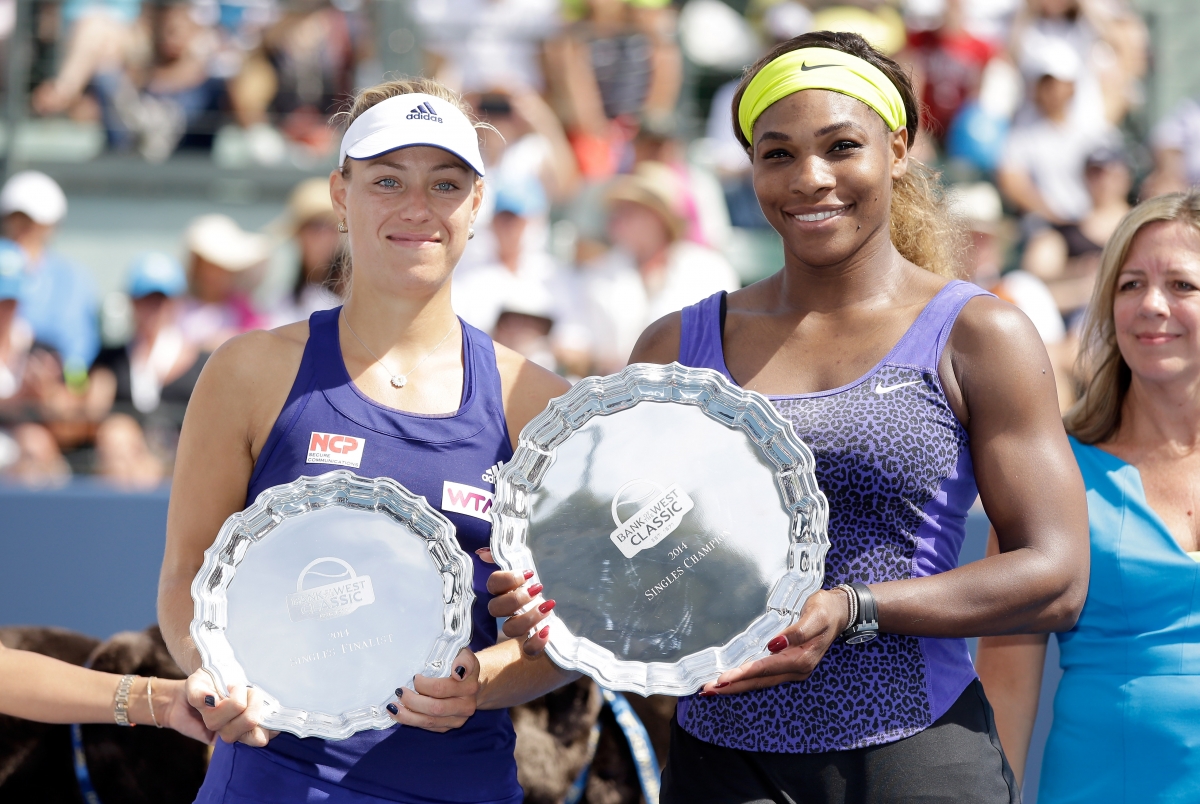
[(533, 590), (545, 607), (777, 644), (528, 574), (545, 632), (706, 693), (722, 685)]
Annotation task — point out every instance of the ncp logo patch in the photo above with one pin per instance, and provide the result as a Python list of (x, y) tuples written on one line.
[(341, 450), (463, 499)]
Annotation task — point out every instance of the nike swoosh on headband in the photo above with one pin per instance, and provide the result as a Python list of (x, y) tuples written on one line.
[(882, 389), (805, 68)]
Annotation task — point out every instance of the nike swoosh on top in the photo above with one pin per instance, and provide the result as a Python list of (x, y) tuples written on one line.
[(805, 67), (881, 389)]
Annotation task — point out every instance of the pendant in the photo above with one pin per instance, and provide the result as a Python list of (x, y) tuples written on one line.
[(399, 381)]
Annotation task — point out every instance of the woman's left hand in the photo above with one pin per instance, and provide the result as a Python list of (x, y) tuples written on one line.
[(795, 653), (441, 704)]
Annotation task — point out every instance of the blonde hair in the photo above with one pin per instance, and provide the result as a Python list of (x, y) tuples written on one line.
[(1097, 414), (924, 229)]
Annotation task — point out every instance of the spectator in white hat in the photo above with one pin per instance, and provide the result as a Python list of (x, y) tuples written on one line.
[(59, 297), (1041, 171), (224, 266)]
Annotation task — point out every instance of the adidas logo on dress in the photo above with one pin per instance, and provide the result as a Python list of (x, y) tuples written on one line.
[(424, 112), (491, 475)]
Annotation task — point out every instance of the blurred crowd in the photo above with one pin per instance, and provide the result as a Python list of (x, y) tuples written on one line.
[(617, 192)]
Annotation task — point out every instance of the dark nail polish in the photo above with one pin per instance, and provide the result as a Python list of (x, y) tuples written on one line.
[(777, 644), (545, 607), (399, 692), (393, 709), (706, 693), (528, 574), (209, 700), (460, 671), (545, 632), (533, 590), (721, 686)]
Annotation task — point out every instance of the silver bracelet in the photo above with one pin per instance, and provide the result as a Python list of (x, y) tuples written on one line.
[(852, 599), (121, 701), (150, 701)]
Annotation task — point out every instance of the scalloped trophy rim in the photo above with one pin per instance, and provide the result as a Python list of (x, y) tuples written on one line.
[(307, 493), (808, 511)]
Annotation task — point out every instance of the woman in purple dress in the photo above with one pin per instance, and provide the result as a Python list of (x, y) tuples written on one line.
[(423, 398), (915, 391)]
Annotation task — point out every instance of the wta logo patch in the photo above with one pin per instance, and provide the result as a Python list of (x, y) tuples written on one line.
[(340, 450), (463, 499)]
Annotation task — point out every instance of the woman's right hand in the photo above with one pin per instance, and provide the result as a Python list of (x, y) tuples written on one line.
[(513, 596), (233, 716)]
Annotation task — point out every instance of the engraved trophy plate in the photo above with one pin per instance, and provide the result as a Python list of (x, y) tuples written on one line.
[(674, 517), (328, 593)]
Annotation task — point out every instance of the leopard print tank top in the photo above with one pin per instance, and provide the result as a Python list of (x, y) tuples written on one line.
[(894, 462)]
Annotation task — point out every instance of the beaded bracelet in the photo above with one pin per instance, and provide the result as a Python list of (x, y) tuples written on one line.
[(121, 701)]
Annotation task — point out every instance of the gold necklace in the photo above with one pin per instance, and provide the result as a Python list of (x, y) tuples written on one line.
[(397, 380)]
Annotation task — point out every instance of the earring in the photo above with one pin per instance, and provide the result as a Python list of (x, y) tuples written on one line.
[(342, 227), (470, 234)]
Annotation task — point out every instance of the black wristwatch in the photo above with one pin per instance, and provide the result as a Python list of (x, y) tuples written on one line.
[(864, 622)]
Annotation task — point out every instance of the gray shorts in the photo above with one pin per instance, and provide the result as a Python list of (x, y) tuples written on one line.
[(957, 759)]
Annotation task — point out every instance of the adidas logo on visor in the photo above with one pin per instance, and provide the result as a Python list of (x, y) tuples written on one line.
[(424, 112)]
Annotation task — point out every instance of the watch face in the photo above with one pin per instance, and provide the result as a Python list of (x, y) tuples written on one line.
[(861, 637)]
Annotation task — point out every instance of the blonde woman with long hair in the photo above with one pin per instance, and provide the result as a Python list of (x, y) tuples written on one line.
[(428, 400), (1127, 706)]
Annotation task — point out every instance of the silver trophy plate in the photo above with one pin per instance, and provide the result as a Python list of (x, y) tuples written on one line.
[(674, 517), (327, 594)]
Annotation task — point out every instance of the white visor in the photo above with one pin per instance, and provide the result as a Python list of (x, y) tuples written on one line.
[(407, 120)]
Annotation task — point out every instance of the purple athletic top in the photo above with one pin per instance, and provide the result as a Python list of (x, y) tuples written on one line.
[(894, 462), (449, 460)]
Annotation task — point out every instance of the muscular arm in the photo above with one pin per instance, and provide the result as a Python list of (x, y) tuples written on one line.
[(1000, 382), (237, 398), (998, 377)]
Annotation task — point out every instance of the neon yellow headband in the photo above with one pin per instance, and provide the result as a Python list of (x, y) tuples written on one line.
[(821, 68)]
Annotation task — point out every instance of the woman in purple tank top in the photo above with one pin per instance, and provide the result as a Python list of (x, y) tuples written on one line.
[(915, 392), (406, 390)]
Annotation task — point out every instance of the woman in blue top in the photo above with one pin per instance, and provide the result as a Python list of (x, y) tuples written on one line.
[(421, 397), (1127, 711)]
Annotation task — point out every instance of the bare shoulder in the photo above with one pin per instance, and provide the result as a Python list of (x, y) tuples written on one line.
[(995, 356), (260, 354), (988, 323), (527, 388), (247, 379), (659, 343)]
